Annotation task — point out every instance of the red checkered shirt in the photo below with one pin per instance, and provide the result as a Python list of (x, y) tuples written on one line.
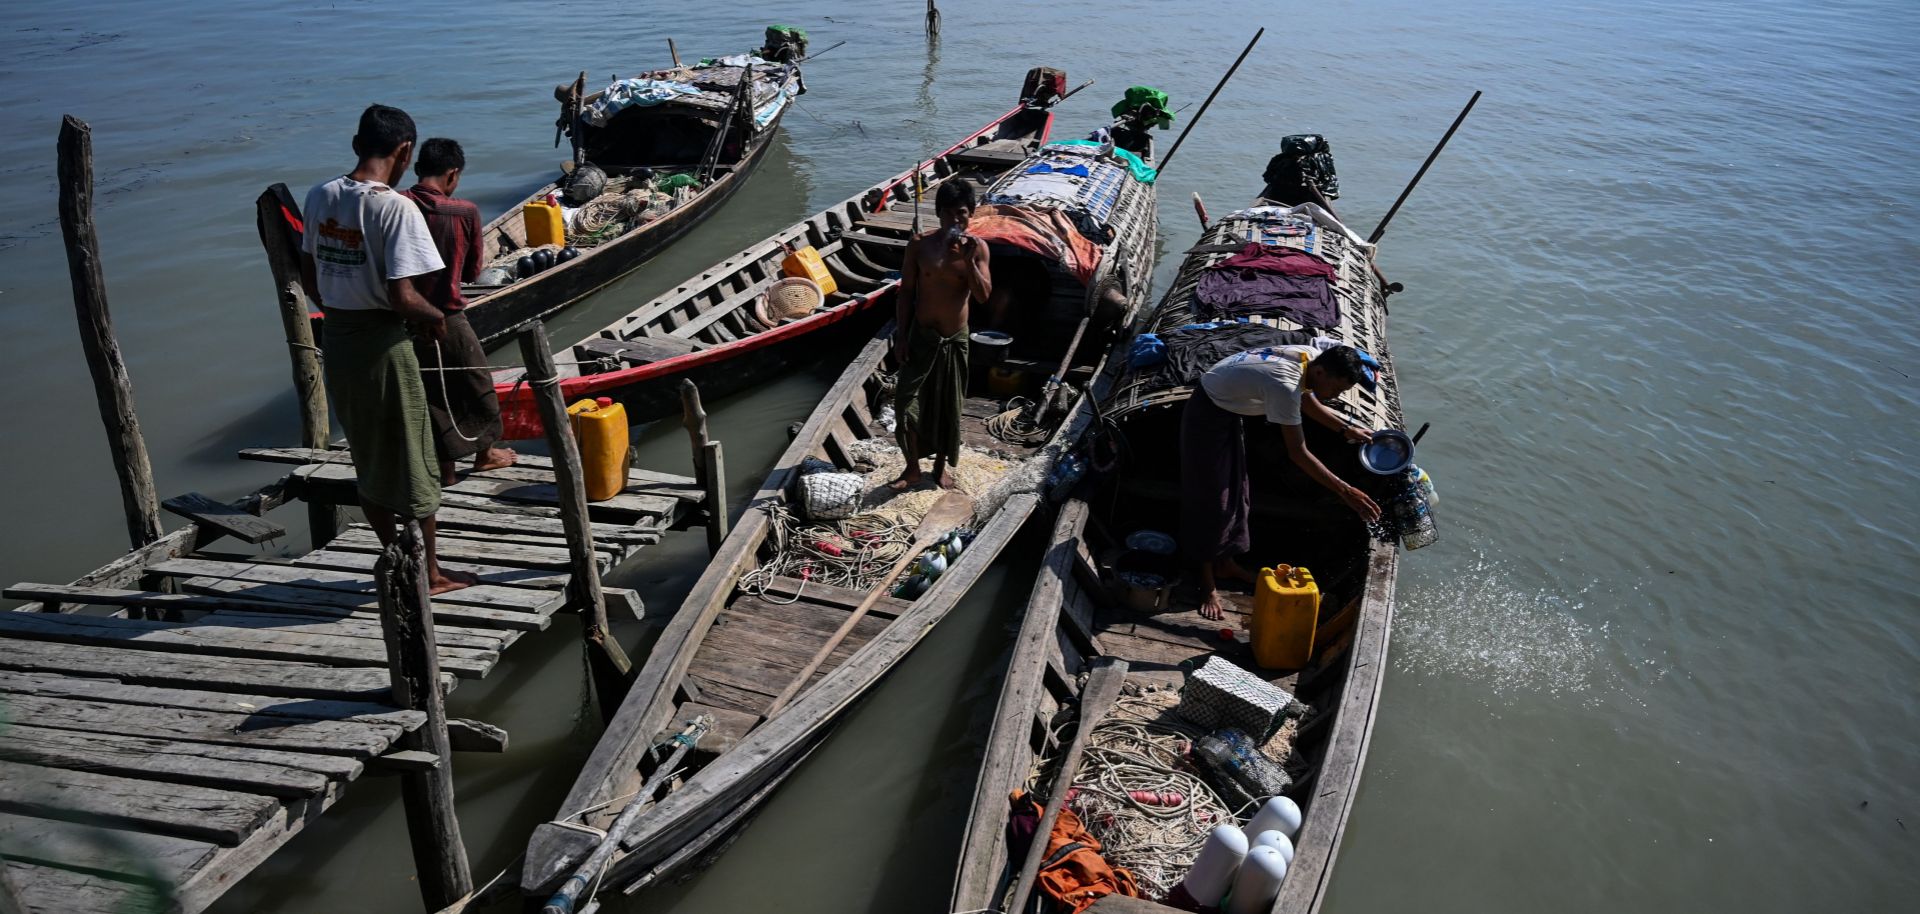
[(455, 225)]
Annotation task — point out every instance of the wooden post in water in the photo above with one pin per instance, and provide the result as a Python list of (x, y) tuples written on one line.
[(110, 382), (709, 464), (439, 855), (309, 387), (612, 670)]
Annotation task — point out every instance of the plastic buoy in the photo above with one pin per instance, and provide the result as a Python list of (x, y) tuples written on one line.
[(1258, 882), (1277, 814), (1213, 869), (1277, 841)]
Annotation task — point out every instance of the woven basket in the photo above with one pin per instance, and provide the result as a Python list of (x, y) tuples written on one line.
[(793, 298)]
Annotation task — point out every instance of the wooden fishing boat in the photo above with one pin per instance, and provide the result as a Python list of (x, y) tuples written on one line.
[(742, 640), (1086, 612), (691, 134), (706, 328)]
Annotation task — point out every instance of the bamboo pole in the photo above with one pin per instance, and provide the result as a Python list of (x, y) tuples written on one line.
[(433, 824), (1161, 166), (1381, 229), (111, 386), (309, 378), (611, 668)]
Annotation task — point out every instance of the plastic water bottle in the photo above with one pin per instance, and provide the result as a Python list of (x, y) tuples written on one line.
[(1232, 755), (1413, 514)]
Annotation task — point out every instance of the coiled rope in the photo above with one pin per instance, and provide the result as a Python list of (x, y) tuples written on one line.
[(854, 553)]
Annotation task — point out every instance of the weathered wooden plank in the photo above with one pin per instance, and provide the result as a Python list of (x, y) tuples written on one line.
[(241, 674), (131, 855), (351, 582), (517, 555), (475, 736), (727, 695), (325, 603), (270, 709), (231, 520), (470, 519), (531, 578), (276, 774), (610, 550), (224, 641), (623, 508), (222, 817), (786, 588), (47, 889), (356, 626), (638, 478), (802, 615), (354, 739)]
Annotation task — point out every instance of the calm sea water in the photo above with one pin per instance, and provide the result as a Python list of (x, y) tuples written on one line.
[(1659, 310)]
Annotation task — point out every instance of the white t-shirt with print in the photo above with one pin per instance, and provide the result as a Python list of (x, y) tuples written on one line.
[(1263, 382), (362, 234)]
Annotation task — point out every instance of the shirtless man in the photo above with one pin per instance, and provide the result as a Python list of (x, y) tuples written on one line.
[(944, 272)]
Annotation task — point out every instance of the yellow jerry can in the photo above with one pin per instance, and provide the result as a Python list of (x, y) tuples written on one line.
[(806, 263), (1286, 607), (545, 224), (601, 427)]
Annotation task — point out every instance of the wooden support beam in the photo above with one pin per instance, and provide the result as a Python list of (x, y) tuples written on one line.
[(709, 465), (439, 855), (612, 671), (237, 523), (309, 388), (111, 385)]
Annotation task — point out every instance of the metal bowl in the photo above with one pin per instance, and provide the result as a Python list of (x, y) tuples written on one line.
[(1390, 452)]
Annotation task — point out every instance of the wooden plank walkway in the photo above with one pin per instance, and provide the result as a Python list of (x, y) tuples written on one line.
[(171, 719)]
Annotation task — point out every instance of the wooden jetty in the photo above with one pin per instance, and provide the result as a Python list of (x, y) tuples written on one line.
[(175, 716)]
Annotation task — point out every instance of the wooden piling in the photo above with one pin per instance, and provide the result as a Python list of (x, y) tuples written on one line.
[(309, 381), (111, 386), (611, 668), (439, 855), (709, 464)]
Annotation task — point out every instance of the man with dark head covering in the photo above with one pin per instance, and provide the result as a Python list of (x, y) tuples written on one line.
[(944, 272), (362, 247)]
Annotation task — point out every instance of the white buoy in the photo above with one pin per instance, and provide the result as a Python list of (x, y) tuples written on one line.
[(1258, 883), (1277, 841), (1213, 869), (1278, 814)]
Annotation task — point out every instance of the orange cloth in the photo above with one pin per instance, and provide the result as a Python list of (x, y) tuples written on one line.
[(1047, 232), (1073, 873)]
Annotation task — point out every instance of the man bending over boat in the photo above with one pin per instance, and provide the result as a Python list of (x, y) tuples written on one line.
[(362, 246), (1281, 383), (943, 273), (466, 414)]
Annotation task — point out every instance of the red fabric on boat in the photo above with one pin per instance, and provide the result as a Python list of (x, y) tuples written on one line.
[(1047, 232)]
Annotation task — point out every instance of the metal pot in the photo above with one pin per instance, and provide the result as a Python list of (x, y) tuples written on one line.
[(1388, 454)]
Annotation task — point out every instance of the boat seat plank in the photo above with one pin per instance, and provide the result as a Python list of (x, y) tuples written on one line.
[(222, 817), (729, 726), (639, 350), (858, 237), (240, 674)]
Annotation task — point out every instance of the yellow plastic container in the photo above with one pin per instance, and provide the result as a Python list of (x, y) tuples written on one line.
[(1286, 607), (806, 263), (545, 224), (601, 426)]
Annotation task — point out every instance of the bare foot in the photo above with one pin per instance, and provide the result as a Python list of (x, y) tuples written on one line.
[(447, 581), (496, 458), (1213, 607), (908, 479), (947, 481), (447, 476), (1231, 570)]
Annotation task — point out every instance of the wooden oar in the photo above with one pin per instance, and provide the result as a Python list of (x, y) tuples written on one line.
[(1103, 686), (952, 510)]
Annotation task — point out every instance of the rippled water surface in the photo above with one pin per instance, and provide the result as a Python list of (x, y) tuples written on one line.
[(1660, 311)]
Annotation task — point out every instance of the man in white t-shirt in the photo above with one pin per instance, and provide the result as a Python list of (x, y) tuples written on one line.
[(1281, 384), (362, 243)]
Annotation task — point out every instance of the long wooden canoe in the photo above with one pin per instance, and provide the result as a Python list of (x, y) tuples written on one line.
[(706, 328), (732, 649), (716, 134), (1074, 618)]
